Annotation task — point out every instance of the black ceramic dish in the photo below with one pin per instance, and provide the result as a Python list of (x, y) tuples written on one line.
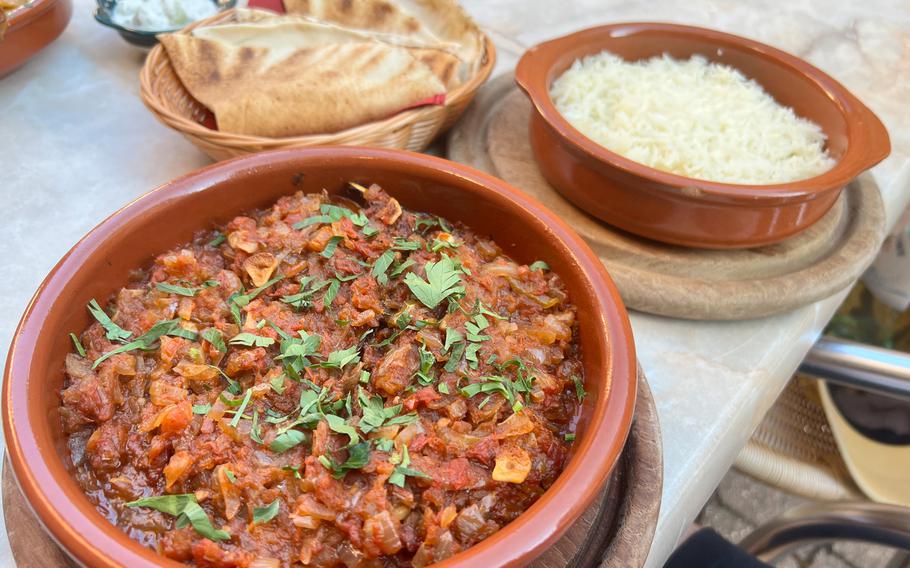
[(142, 38)]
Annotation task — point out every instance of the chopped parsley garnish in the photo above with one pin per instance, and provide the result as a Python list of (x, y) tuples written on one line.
[(381, 265), (214, 337), (452, 336), (404, 244), (334, 286), (339, 359), (570, 437), (188, 291), (399, 268), (579, 388), (340, 425), (539, 265), (186, 509), (219, 238), (113, 331), (287, 440), (277, 384), (443, 281), (308, 287), (247, 339), (296, 352), (375, 414), (267, 513), (401, 468), (443, 388), (230, 475), (238, 301), (235, 421), (201, 408), (330, 247), (427, 360), (147, 340), (77, 345), (358, 456)]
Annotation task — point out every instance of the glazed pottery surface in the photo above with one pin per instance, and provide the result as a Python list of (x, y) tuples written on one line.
[(101, 262), (31, 29), (685, 211)]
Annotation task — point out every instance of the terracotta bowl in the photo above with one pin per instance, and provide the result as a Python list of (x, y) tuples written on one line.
[(31, 29), (101, 262), (681, 210)]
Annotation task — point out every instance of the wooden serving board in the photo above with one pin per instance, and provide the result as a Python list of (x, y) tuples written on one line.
[(671, 280), (615, 532)]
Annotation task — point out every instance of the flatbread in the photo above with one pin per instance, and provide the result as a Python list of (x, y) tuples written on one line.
[(257, 28), (439, 22), (280, 92)]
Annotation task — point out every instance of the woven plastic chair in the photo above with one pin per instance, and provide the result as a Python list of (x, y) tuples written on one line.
[(793, 448)]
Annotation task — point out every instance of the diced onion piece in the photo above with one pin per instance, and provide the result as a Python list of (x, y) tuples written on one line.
[(512, 465), (447, 515), (383, 531), (179, 463), (515, 425), (260, 267)]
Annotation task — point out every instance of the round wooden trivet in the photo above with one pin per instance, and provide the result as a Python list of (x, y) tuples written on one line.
[(616, 531), (676, 281)]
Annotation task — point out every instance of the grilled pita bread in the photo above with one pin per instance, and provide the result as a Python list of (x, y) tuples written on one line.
[(437, 22), (257, 28), (294, 90)]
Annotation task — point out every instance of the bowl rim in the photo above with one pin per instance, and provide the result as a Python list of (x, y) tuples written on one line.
[(97, 543), (867, 142), (102, 15), (21, 17)]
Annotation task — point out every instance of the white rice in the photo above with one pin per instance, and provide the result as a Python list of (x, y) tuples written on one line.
[(693, 118)]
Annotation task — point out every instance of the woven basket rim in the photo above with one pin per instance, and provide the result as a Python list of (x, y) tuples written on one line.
[(149, 77)]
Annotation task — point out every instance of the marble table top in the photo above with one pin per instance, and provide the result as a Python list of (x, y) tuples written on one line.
[(78, 144)]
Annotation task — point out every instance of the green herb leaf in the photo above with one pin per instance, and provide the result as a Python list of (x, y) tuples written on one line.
[(78, 345), (114, 331), (401, 471), (539, 265), (267, 513), (570, 437), (219, 238), (443, 280), (458, 349), (338, 424), (381, 265), (147, 340), (230, 475), (330, 247), (399, 268), (287, 440), (339, 359), (241, 300), (277, 384), (358, 456), (201, 408), (251, 340), (404, 244), (334, 286), (183, 290), (579, 388), (427, 360), (239, 414), (452, 336), (186, 509), (214, 337), (443, 388)]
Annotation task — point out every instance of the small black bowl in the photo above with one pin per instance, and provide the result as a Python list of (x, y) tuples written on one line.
[(142, 38)]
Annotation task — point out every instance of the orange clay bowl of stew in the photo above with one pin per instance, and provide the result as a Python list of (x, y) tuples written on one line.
[(326, 357)]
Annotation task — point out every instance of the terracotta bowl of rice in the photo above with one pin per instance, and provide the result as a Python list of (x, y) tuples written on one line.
[(759, 147)]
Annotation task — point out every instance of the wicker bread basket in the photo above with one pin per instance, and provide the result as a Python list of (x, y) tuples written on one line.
[(413, 129)]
